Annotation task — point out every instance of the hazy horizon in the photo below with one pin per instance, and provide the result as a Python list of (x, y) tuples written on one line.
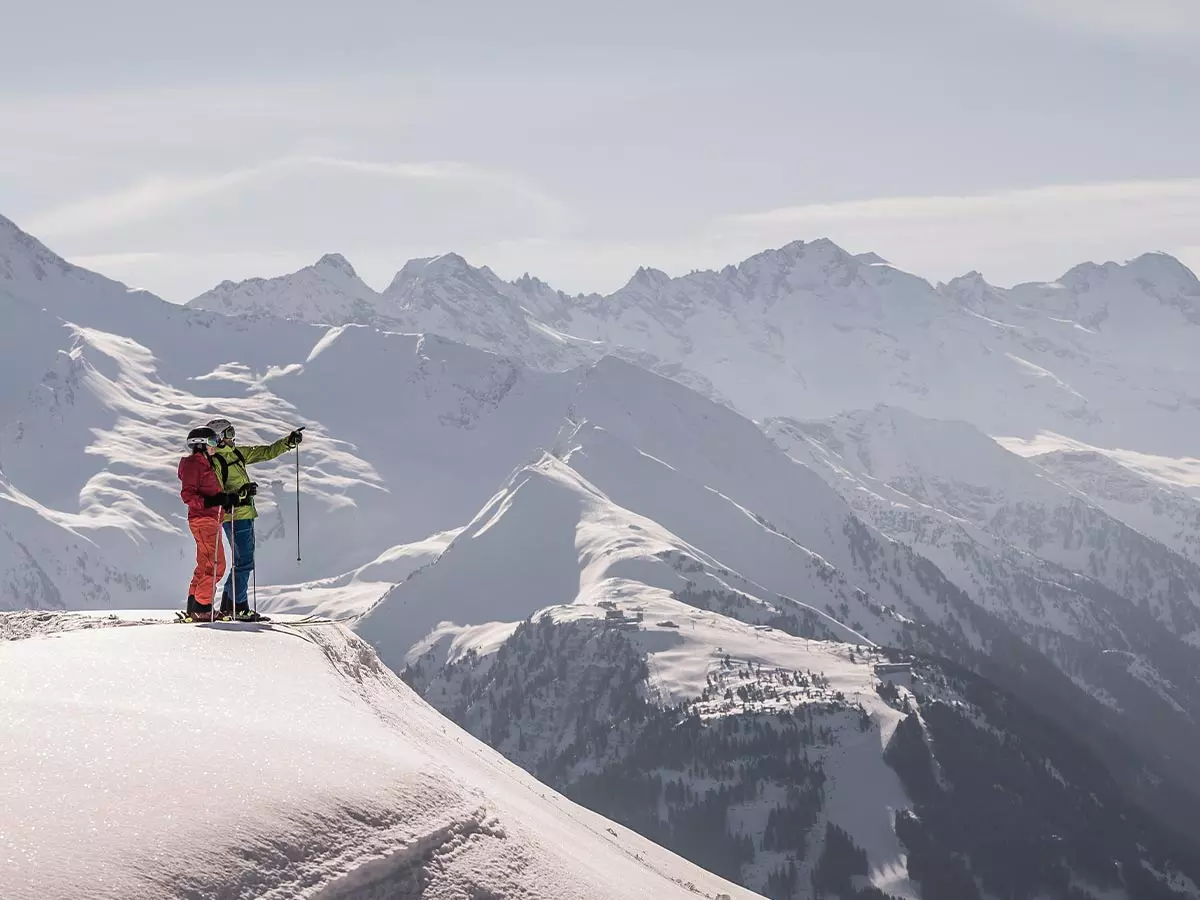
[(1016, 138)]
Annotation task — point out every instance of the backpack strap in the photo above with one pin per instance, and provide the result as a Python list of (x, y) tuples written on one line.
[(217, 460), (224, 464)]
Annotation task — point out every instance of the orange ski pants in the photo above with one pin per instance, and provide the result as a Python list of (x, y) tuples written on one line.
[(207, 533)]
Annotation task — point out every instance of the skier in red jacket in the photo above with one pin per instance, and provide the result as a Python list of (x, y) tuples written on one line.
[(201, 491)]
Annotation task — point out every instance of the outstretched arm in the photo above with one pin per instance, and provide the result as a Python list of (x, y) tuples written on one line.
[(267, 452)]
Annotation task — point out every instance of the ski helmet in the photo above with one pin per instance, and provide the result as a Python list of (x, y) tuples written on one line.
[(199, 438), (223, 428)]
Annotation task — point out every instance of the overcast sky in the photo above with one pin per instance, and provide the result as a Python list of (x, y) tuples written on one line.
[(176, 145)]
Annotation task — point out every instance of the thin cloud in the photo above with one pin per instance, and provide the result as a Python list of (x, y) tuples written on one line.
[(1013, 235), (158, 195), (1161, 21), (1052, 199)]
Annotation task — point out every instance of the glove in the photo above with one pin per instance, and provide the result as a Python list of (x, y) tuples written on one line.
[(249, 489), (223, 500), (294, 438)]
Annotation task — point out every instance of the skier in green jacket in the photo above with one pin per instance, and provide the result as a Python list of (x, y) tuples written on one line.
[(230, 463)]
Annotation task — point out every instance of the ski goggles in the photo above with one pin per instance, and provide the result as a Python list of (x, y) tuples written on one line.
[(212, 441), (228, 434)]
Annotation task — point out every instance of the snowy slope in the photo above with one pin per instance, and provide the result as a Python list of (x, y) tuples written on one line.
[(1108, 606), (709, 733), (338, 782), (551, 538), (953, 468), (101, 384), (647, 466), (1160, 511), (683, 663)]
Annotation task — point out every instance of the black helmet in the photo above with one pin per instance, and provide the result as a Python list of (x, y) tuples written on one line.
[(223, 429), (199, 438)]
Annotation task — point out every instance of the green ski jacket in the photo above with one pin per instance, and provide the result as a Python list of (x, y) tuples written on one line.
[(230, 465)]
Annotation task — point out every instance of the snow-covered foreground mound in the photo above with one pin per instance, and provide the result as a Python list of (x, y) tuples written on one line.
[(133, 765)]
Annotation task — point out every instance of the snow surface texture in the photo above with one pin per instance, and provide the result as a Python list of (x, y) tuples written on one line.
[(126, 772), (1106, 354)]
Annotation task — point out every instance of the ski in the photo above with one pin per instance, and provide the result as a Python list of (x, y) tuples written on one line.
[(181, 618)]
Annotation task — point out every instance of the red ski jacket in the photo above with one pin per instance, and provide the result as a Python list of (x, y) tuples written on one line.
[(199, 481)]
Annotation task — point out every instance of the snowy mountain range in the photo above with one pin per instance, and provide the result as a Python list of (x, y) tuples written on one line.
[(559, 520), (1105, 354)]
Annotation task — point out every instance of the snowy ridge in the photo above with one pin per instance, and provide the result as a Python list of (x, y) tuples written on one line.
[(384, 798), (645, 468)]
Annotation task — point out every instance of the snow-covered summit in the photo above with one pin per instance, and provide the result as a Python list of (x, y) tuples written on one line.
[(336, 782), (1152, 292), (328, 292)]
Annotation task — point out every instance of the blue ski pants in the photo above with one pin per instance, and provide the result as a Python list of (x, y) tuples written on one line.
[(240, 534)]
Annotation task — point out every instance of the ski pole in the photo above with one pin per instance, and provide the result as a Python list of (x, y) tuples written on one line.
[(301, 428), (216, 556), (254, 571), (233, 580)]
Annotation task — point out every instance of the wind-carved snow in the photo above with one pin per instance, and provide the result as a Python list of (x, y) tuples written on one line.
[(102, 788)]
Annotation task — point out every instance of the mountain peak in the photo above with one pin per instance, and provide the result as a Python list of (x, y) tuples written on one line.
[(971, 289), (448, 265), (1158, 265), (648, 278), (34, 250), (820, 252), (335, 262), (1149, 269), (432, 268)]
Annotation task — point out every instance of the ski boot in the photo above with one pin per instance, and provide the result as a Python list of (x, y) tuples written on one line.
[(198, 612)]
